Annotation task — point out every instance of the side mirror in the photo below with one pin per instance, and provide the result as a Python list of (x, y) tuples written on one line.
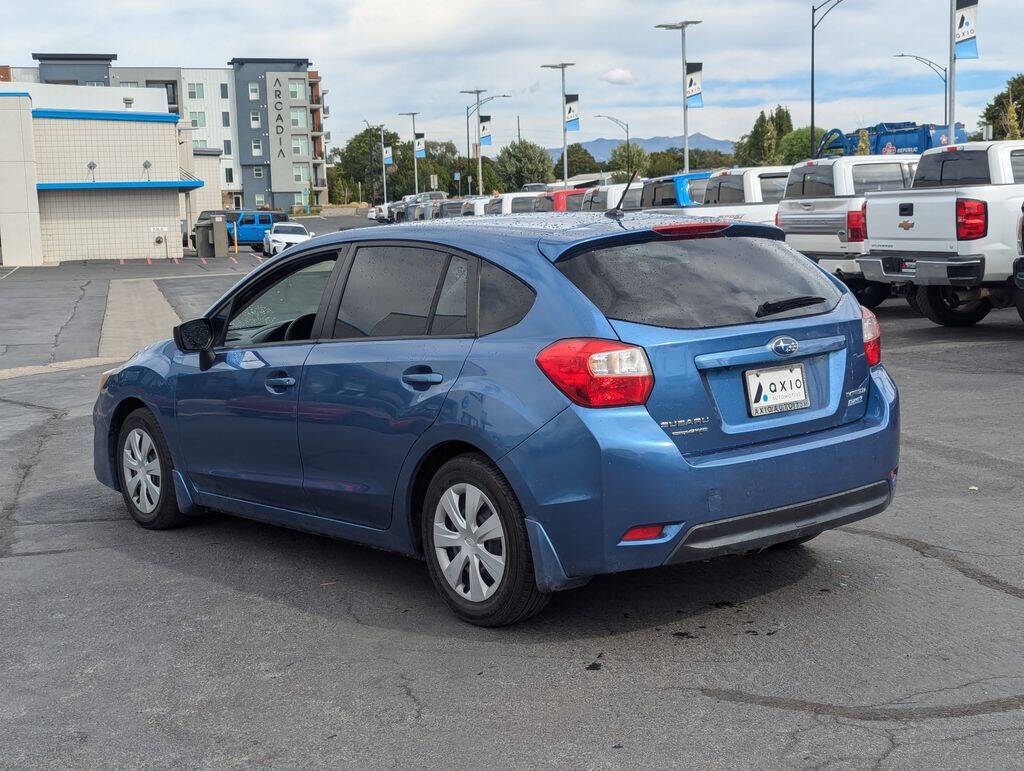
[(194, 336), (311, 234)]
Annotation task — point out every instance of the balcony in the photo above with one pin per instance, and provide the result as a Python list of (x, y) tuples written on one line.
[(314, 76)]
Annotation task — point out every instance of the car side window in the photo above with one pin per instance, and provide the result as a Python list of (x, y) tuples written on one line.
[(504, 299), (285, 310), (493, 206), (450, 316), (389, 292), (730, 189), (1017, 166), (711, 191), (523, 204), (247, 219)]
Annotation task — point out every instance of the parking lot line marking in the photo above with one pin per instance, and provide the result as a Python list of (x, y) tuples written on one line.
[(58, 366), (7, 275), (232, 259), (202, 260)]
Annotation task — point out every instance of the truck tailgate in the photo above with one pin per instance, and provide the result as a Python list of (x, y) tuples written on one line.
[(912, 221)]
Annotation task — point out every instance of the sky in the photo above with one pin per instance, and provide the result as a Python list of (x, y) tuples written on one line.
[(380, 58)]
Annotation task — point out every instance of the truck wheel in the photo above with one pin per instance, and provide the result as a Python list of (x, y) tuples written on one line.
[(940, 305), (912, 302), (871, 294)]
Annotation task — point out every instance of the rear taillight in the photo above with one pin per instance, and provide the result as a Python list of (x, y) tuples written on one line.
[(971, 219), (644, 533), (857, 224), (872, 337), (598, 373), (777, 218)]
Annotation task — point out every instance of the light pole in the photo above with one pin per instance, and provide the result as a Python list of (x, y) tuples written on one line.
[(415, 165), (383, 168), (565, 157), (470, 109), (625, 126), (681, 26), (826, 8), (939, 70), (951, 75)]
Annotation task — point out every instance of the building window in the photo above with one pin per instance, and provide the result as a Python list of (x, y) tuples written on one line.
[(257, 172), (225, 119), (299, 199), (199, 143), (227, 147), (296, 89), (300, 172), (197, 119), (254, 92), (95, 83), (229, 175), (223, 90), (195, 90), (261, 200), (257, 146), (300, 146), (298, 117), (129, 84), (254, 118)]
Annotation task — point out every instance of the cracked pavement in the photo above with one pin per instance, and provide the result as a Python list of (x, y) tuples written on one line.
[(894, 642)]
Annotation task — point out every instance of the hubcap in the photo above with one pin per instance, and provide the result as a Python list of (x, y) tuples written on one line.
[(469, 542), (141, 466)]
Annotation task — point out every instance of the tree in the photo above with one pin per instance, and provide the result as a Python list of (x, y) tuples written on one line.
[(863, 146), (580, 161), (635, 160), (520, 162), (996, 115), (782, 121), (793, 147), (1011, 124), (760, 146)]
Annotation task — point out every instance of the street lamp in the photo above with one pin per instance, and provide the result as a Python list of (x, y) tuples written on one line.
[(681, 26), (470, 109), (565, 157), (415, 165), (939, 70), (383, 168), (625, 126), (826, 8)]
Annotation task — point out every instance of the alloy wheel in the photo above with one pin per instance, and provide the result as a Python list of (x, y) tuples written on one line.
[(142, 474), (469, 542)]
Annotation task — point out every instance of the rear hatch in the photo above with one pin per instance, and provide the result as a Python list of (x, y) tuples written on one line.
[(733, 367)]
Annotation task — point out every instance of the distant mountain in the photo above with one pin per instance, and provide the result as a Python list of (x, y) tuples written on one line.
[(602, 148)]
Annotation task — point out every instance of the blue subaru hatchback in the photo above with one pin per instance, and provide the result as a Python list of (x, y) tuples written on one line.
[(522, 402)]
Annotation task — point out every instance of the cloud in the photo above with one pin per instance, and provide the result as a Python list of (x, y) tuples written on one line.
[(618, 76)]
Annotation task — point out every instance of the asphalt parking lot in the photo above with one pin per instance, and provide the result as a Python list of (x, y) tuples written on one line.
[(895, 642)]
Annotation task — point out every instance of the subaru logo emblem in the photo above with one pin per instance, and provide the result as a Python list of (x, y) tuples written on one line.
[(784, 346)]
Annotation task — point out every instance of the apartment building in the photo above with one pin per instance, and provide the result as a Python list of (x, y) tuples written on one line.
[(265, 115)]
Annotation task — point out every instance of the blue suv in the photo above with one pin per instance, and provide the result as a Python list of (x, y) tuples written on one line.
[(522, 402)]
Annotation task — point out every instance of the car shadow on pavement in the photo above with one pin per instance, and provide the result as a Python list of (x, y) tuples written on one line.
[(363, 586)]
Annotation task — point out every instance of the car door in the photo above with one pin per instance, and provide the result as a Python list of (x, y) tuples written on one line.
[(236, 419), (263, 224), (403, 329)]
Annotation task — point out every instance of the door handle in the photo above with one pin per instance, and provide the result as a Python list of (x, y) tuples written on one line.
[(280, 382), (422, 378)]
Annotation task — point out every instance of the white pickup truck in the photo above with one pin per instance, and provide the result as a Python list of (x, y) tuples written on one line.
[(954, 236), (750, 194), (822, 212)]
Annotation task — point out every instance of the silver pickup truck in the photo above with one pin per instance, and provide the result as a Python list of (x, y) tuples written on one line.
[(823, 213)]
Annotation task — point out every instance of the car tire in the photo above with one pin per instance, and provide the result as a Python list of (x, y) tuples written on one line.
[(1018, 300), (465, 571), (144, 468), (939, 305), (871, 294), (912, 302)]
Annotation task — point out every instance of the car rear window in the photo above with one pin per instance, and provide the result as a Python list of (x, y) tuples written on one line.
[(773, 187), (696, 188), (811, 182), (661, 193), (493, 206), (872, 177), (698, 283), (545, 203), (574, 202), (949, 168)]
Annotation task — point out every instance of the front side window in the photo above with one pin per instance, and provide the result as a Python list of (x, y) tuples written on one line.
[(197, 119), (257, 147), (195, 90), (389, 292), (283, 311), (298, 116), (698, 283), (247, 219), (949, 168), (254, 91), (872, 177)]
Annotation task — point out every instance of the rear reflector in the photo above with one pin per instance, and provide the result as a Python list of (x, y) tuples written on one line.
[(971, 219), (872, 337), (644, 533), (690, 229), (857, 224), (598, 373)]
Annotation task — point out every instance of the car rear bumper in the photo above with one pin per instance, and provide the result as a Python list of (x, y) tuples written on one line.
[(588, 476), (924, 269)]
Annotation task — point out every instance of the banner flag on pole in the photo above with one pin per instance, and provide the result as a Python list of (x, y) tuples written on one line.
[(485, 129), (694, 84), (420, 145), (388, 156), (572, 112), (966, 29)]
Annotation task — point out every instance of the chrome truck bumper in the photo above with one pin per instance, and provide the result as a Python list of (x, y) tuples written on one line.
[(923, 269)]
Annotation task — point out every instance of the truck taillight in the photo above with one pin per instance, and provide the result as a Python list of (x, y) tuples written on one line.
[(971, 219), (777, 218), (872, 337), (857, 224), (598, 373)]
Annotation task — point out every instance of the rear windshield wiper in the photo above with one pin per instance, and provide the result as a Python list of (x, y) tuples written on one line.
[(772, 307)]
